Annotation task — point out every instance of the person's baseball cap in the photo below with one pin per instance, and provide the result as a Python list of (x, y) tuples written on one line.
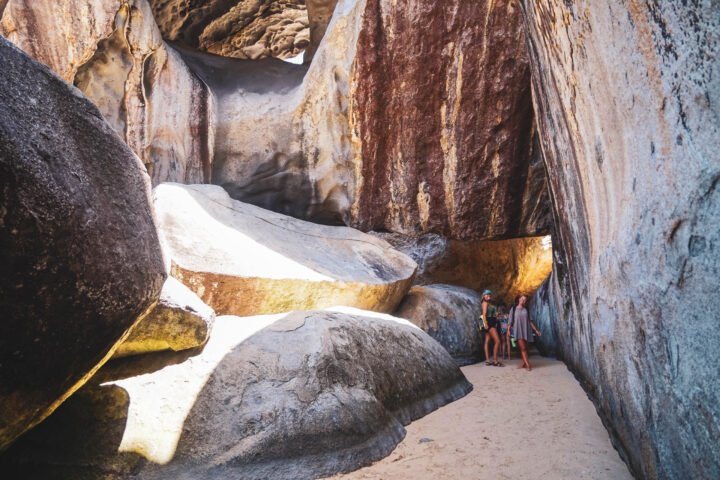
[(487, 292)]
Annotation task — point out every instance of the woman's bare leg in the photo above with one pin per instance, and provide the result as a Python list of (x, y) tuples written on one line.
[(487, 343), (496, 341), (507, 344), (524, 353)]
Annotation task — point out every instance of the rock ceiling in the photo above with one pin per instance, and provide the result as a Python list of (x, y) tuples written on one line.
[(249, 29)]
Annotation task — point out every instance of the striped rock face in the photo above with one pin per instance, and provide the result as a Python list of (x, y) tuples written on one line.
[(444, 119)]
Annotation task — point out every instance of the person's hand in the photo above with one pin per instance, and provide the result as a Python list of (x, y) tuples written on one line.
[(538, 333)]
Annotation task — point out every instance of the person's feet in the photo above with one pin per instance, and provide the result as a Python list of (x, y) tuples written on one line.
[(521, 366)]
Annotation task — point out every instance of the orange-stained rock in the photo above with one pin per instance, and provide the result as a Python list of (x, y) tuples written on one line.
[(507, 267)]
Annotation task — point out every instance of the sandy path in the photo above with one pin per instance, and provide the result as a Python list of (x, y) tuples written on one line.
[(514, 424)]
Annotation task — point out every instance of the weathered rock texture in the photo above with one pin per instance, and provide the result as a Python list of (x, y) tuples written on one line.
[(443, 114), (507, 267), (311, 394), (113, 51), (385, 131), (628, 103), (450, 315), (79, 252), (243, 260), (247, 29), (544, 315), (179, 321)]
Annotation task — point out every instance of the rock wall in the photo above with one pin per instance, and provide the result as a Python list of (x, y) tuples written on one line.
[(444, 118), (114, 53), (627, 97), (382, 131), (377, 136)]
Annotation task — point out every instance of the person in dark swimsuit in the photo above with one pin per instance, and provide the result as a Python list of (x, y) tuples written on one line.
[(490, 321)]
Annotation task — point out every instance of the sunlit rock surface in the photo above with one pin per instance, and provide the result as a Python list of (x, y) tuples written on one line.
[(179, 321), (450, 315), (295, 396), (244, 260), (507, 267), (628, 104), (113, 51), (79, 252)]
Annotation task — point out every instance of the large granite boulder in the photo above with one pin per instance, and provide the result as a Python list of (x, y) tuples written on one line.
[(295, 396), (243, 260), (507, 267), (179, 321), (80, 256), (449, 314), (628, 103), (112, 50)]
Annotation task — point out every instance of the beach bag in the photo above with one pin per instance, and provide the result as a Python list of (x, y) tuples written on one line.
[(483, 324)]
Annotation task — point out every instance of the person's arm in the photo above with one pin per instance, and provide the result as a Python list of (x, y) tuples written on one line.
[(484, 314), (532, 325), (512, 317)]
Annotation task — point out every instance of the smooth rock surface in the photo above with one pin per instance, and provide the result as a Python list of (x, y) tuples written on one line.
[(179, 321), (113, 51), (80, 256), (628, 103), (507, 267), (449, 314), (285, 396), (243, 260)]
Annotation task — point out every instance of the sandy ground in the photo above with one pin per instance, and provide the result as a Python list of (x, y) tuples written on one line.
[(514, 424)]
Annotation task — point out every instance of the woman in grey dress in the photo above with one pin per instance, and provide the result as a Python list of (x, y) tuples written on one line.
[(520, 320)]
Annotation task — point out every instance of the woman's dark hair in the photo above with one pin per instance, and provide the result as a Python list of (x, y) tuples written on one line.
[(517, 300)]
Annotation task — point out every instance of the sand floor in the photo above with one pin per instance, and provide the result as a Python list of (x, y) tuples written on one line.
[(514, 424)]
